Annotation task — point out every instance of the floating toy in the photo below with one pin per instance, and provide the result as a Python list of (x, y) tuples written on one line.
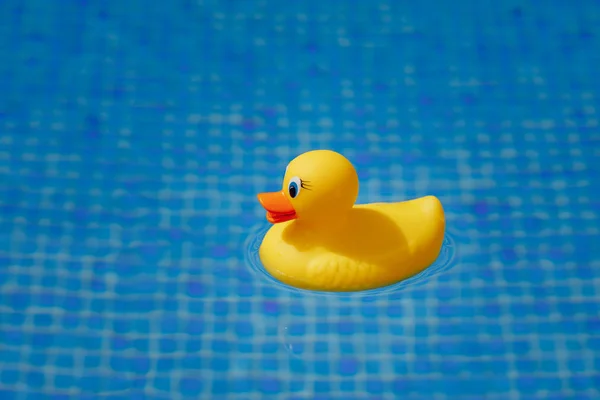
[(322, 241)]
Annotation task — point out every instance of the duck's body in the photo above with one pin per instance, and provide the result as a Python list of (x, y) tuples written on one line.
[(348, 248)]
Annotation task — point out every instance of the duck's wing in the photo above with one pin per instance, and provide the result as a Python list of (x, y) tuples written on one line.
[(341, 273)]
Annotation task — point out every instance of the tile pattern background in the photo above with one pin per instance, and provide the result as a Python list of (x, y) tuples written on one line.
[(134, 137)]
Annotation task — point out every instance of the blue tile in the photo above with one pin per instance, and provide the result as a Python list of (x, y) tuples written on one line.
[(270, 385), (193, 362), (165, 364), (242, 385), (91, 361), (167, 345), (65, 361), (297, 367), (35, 380), (9, 376), (581, 383), (219, 364), (190, 386), (348, 366), (244, 329), (15, 318), (8, 394), (220, 387), (38, 359), (64, 381), (162, 384), (321, 386)]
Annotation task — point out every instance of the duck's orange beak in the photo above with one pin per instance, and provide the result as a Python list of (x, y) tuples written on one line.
[(278, 206)]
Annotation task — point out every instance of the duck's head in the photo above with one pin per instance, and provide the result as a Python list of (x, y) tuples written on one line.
[(318, 187)]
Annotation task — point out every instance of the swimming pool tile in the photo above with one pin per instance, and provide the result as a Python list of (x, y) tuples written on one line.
[(92, 361), (375, 387), (321, 386), (270, 385), (190, 386), (63, 382)]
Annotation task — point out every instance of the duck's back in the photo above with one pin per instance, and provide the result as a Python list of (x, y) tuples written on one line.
[(420, 223), (393, 242)]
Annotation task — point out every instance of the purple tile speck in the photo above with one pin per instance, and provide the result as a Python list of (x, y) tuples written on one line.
[(348, 366), (270, 307), (220, 251)]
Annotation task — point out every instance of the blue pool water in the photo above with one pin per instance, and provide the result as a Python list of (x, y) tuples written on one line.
[(133, 139)]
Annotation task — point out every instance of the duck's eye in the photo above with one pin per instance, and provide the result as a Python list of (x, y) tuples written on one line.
[(294, 187)]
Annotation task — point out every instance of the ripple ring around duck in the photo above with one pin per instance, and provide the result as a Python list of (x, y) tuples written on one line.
[(322, 241), (444, 262)]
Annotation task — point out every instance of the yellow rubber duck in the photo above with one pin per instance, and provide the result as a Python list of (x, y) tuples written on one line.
[(322, 241)]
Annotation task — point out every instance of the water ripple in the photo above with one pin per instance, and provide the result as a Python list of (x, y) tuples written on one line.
[(444, 262)]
